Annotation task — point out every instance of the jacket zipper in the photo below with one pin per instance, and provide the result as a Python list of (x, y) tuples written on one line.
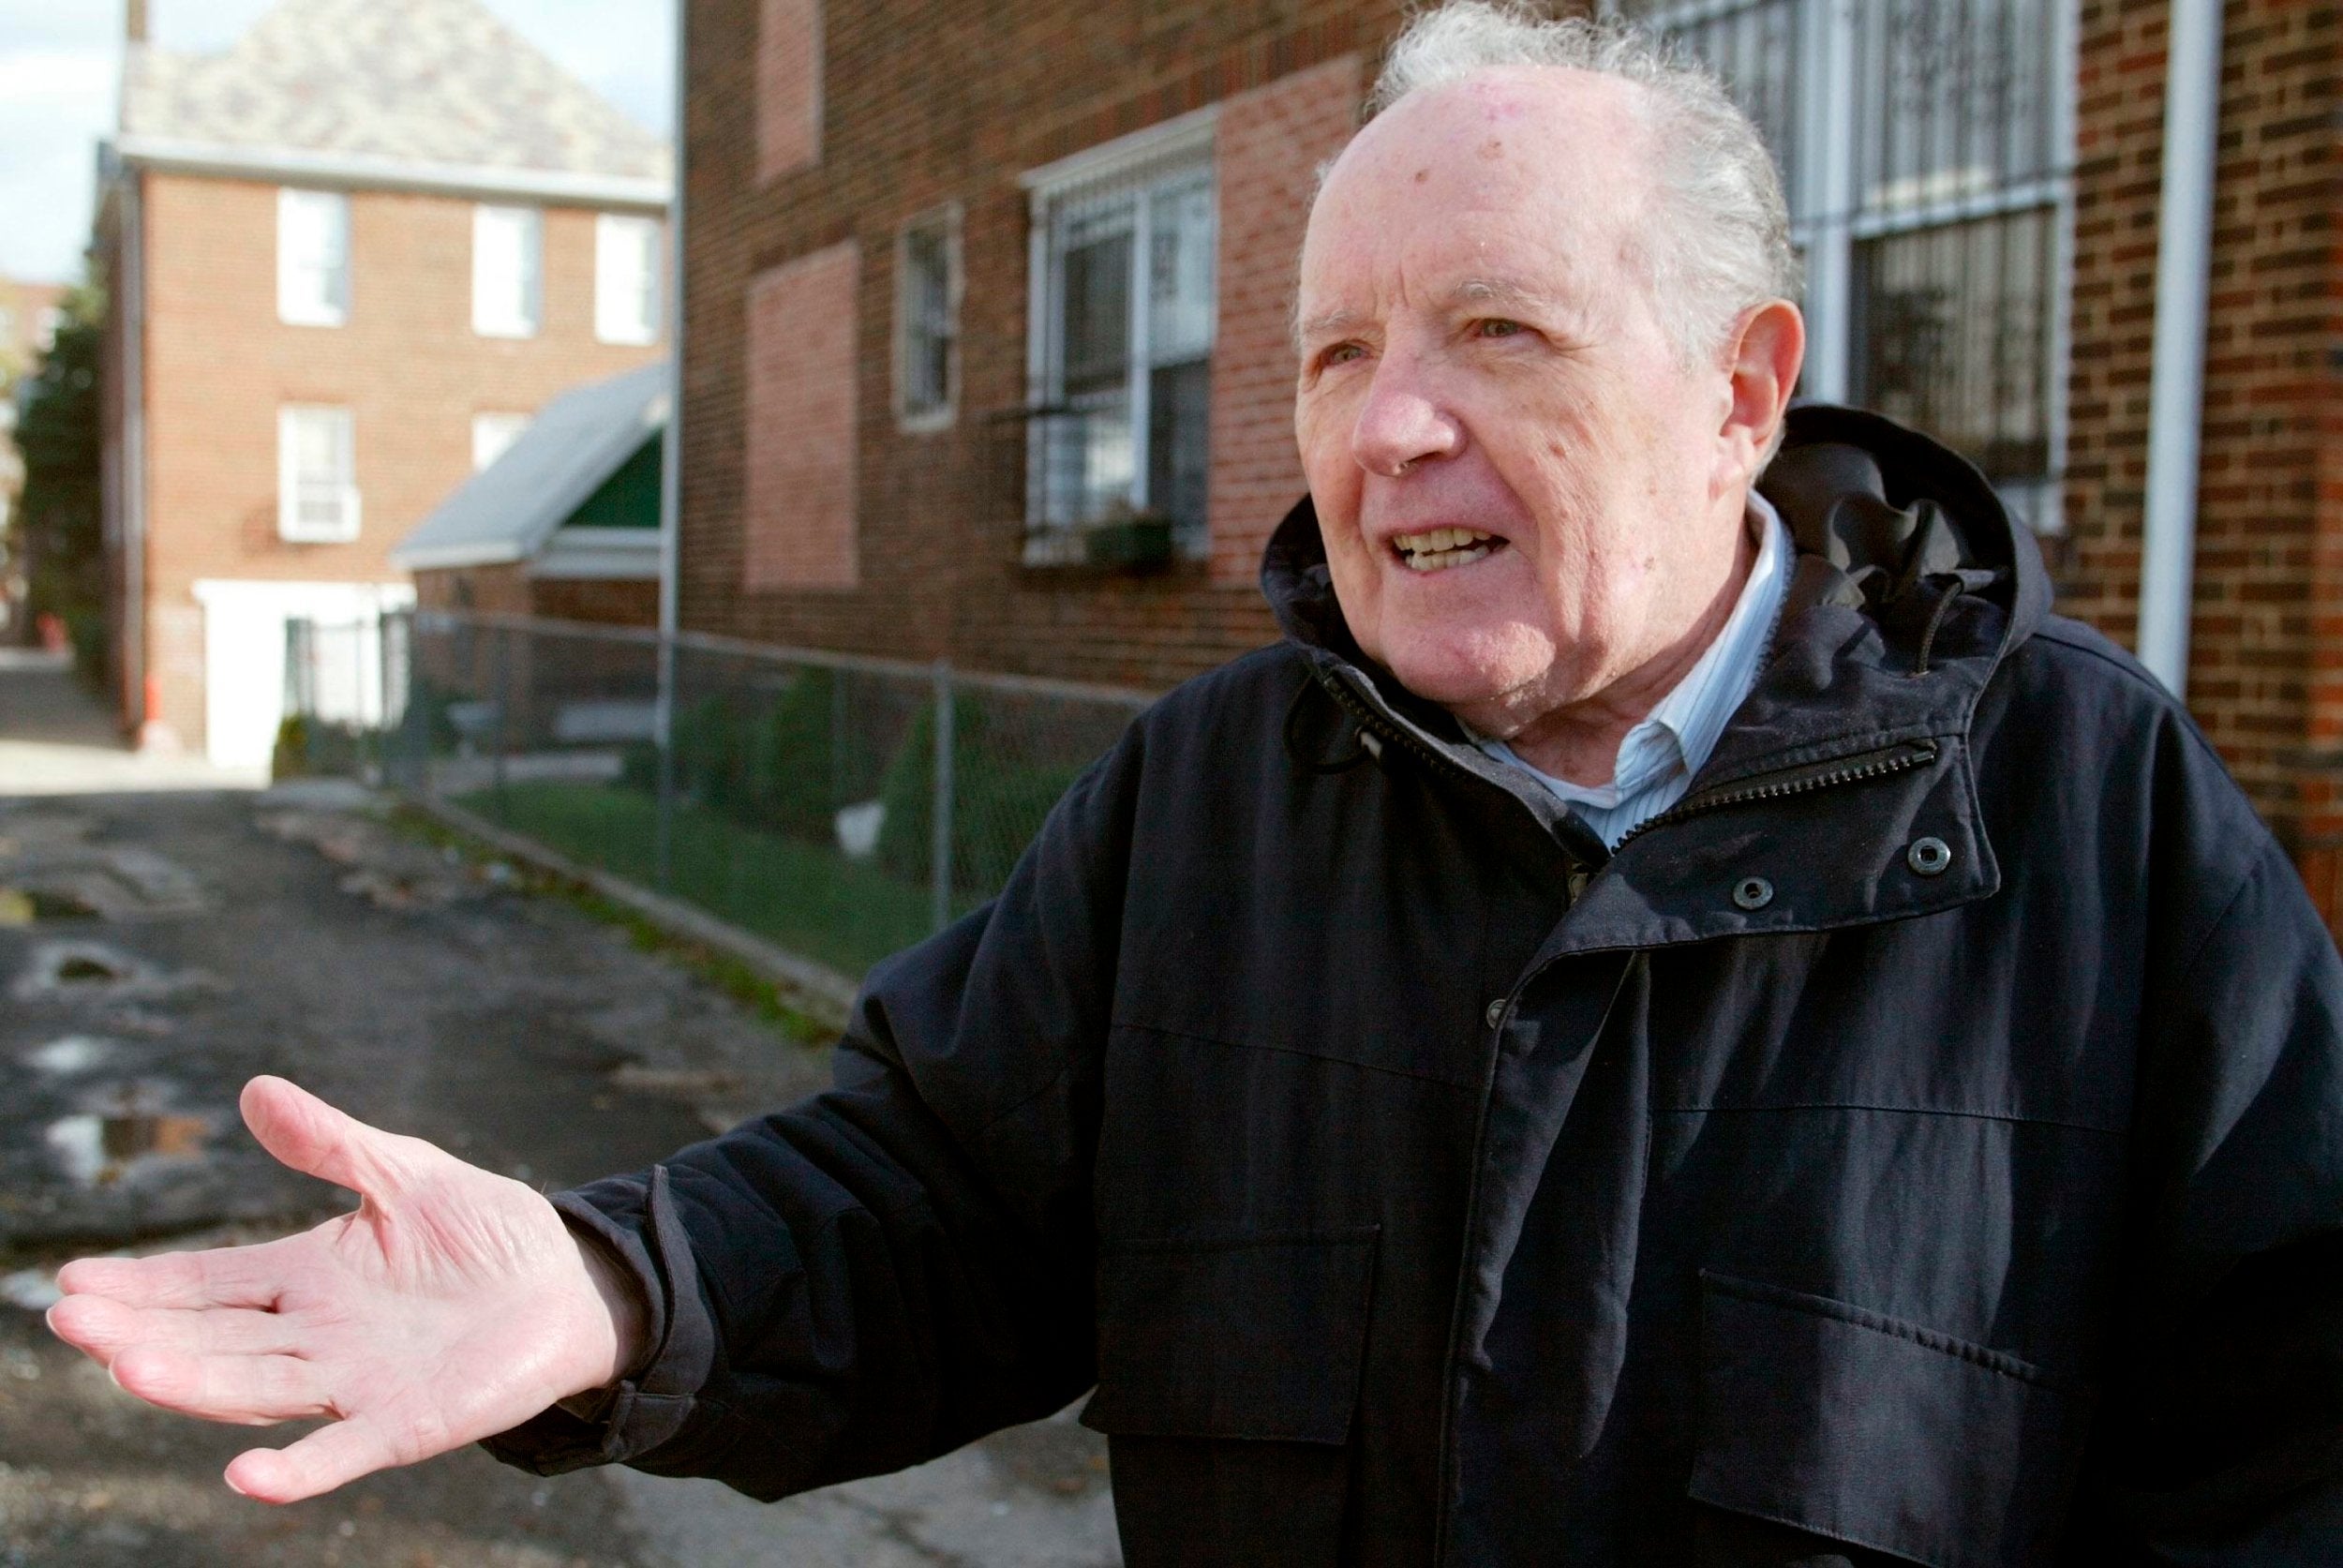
[(1899, 758)]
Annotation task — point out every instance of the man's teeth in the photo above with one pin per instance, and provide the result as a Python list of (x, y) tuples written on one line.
[(1435, 549)]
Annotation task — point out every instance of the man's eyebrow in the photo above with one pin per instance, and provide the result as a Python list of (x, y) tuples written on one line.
[(1326, 322), (1501, 292)]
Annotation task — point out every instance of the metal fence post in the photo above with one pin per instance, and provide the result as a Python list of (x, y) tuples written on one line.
[(504, 716), (940, 852), (413, 722), (662, 726)]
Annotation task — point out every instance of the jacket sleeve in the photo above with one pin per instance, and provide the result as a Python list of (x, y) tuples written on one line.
[(879, 1273), (2220, 1435)]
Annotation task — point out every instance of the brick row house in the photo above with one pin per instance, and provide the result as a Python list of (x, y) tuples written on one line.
[(986, 348), (350, 257)]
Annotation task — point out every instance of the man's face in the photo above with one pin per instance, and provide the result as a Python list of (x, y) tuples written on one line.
[(1480, 353)]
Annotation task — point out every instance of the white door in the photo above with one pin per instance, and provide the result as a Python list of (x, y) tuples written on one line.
[(243, 683), (244, 657)]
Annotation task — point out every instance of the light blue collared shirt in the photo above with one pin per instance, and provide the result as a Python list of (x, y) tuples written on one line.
[(1658, 757)]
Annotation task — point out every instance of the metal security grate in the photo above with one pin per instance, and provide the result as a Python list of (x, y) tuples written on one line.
[(1119, 369), (1926, 151)]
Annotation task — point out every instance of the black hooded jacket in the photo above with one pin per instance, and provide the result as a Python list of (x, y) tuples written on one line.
[(1923, 1143)]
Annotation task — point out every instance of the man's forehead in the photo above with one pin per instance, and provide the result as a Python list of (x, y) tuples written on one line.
[(1503, 190), (1504, 121)]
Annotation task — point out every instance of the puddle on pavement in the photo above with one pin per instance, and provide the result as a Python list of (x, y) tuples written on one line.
[(100, 1148), (35, 1289), (65, 969), (72, 1053), (24, 907)]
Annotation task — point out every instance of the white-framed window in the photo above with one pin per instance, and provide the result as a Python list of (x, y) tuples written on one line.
[(317, 475), (927, 320), (626, 279), (492, 433), (1119, 363), (1927, 152), (507, 271), (312, 258)]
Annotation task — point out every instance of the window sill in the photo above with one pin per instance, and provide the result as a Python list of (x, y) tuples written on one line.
[(1063, 558)]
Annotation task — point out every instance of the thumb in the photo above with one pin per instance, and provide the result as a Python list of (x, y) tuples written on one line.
[(303, 1132)]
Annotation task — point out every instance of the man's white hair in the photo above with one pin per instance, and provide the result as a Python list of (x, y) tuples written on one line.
[(1719, 237)]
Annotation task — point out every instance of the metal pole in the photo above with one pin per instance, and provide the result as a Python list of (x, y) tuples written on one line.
[(413, 721), (671, 469), (940, 851), (2192, 116), (504, 715), (371, 751), (662, 831)]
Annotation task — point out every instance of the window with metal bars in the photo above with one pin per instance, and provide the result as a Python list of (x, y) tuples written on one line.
[(926, 321), (1926, 152), (1120, 363)]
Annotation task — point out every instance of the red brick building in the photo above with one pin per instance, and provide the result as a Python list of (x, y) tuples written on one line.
[(349, 260), (986, 312)]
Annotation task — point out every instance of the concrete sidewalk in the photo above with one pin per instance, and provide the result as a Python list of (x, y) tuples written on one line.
[(58, 738)]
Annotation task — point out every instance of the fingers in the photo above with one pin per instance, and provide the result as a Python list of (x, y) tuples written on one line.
[(245, 1390), (305, 1132), (328, 1458), (223, 1276), (104, 1328)]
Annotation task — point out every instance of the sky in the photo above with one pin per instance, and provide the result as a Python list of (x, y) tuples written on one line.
[(61, 63)]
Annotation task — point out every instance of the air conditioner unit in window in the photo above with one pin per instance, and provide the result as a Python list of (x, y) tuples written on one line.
[(322, 512)]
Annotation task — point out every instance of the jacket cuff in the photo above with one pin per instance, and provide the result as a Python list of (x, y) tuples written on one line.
[(632, 1218)]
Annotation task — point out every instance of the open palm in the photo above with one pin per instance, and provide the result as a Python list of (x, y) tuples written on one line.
[(451, 1306)]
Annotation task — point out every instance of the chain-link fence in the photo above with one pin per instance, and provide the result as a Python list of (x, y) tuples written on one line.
[(840, 807)]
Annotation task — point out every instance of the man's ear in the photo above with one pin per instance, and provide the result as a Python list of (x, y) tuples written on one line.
[(1762, 361)]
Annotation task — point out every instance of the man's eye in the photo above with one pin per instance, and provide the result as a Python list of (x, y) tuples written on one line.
[(1497, 327), (1343, 353)]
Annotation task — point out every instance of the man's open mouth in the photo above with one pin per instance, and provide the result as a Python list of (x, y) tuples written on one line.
[(1437, 550)]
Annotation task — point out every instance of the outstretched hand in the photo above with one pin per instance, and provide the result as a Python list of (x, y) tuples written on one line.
[(451, 1306)]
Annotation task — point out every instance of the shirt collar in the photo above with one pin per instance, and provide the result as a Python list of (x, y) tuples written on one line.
[(1682, 728)]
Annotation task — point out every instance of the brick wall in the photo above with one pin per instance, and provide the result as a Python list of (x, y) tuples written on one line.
[(2265, 675), (483, 589), (507, 590), (799, 517), (1269, 145), (788, 87), (923, 105), (408, 365)]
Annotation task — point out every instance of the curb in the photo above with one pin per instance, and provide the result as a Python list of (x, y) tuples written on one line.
[(819, 992)]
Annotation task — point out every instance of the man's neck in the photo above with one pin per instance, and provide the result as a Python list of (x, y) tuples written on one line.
[(1579, 741)]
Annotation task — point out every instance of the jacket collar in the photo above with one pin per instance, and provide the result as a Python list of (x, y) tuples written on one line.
[(1912, 586)]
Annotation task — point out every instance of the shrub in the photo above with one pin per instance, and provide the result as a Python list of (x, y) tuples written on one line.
[(998, 804)]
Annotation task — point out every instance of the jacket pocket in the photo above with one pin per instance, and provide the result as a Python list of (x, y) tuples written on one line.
[(1875, 1432), (1227, 1379)]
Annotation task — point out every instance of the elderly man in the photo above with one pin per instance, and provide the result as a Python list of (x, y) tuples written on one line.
[(1664, 1023)]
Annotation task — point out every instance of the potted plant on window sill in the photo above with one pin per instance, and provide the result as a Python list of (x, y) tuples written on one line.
[(1128, 540)]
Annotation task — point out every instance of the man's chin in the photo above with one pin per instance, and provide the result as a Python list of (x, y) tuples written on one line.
[(1480, 683)]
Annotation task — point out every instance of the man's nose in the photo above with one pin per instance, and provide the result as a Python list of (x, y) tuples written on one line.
[(1402, 423)]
